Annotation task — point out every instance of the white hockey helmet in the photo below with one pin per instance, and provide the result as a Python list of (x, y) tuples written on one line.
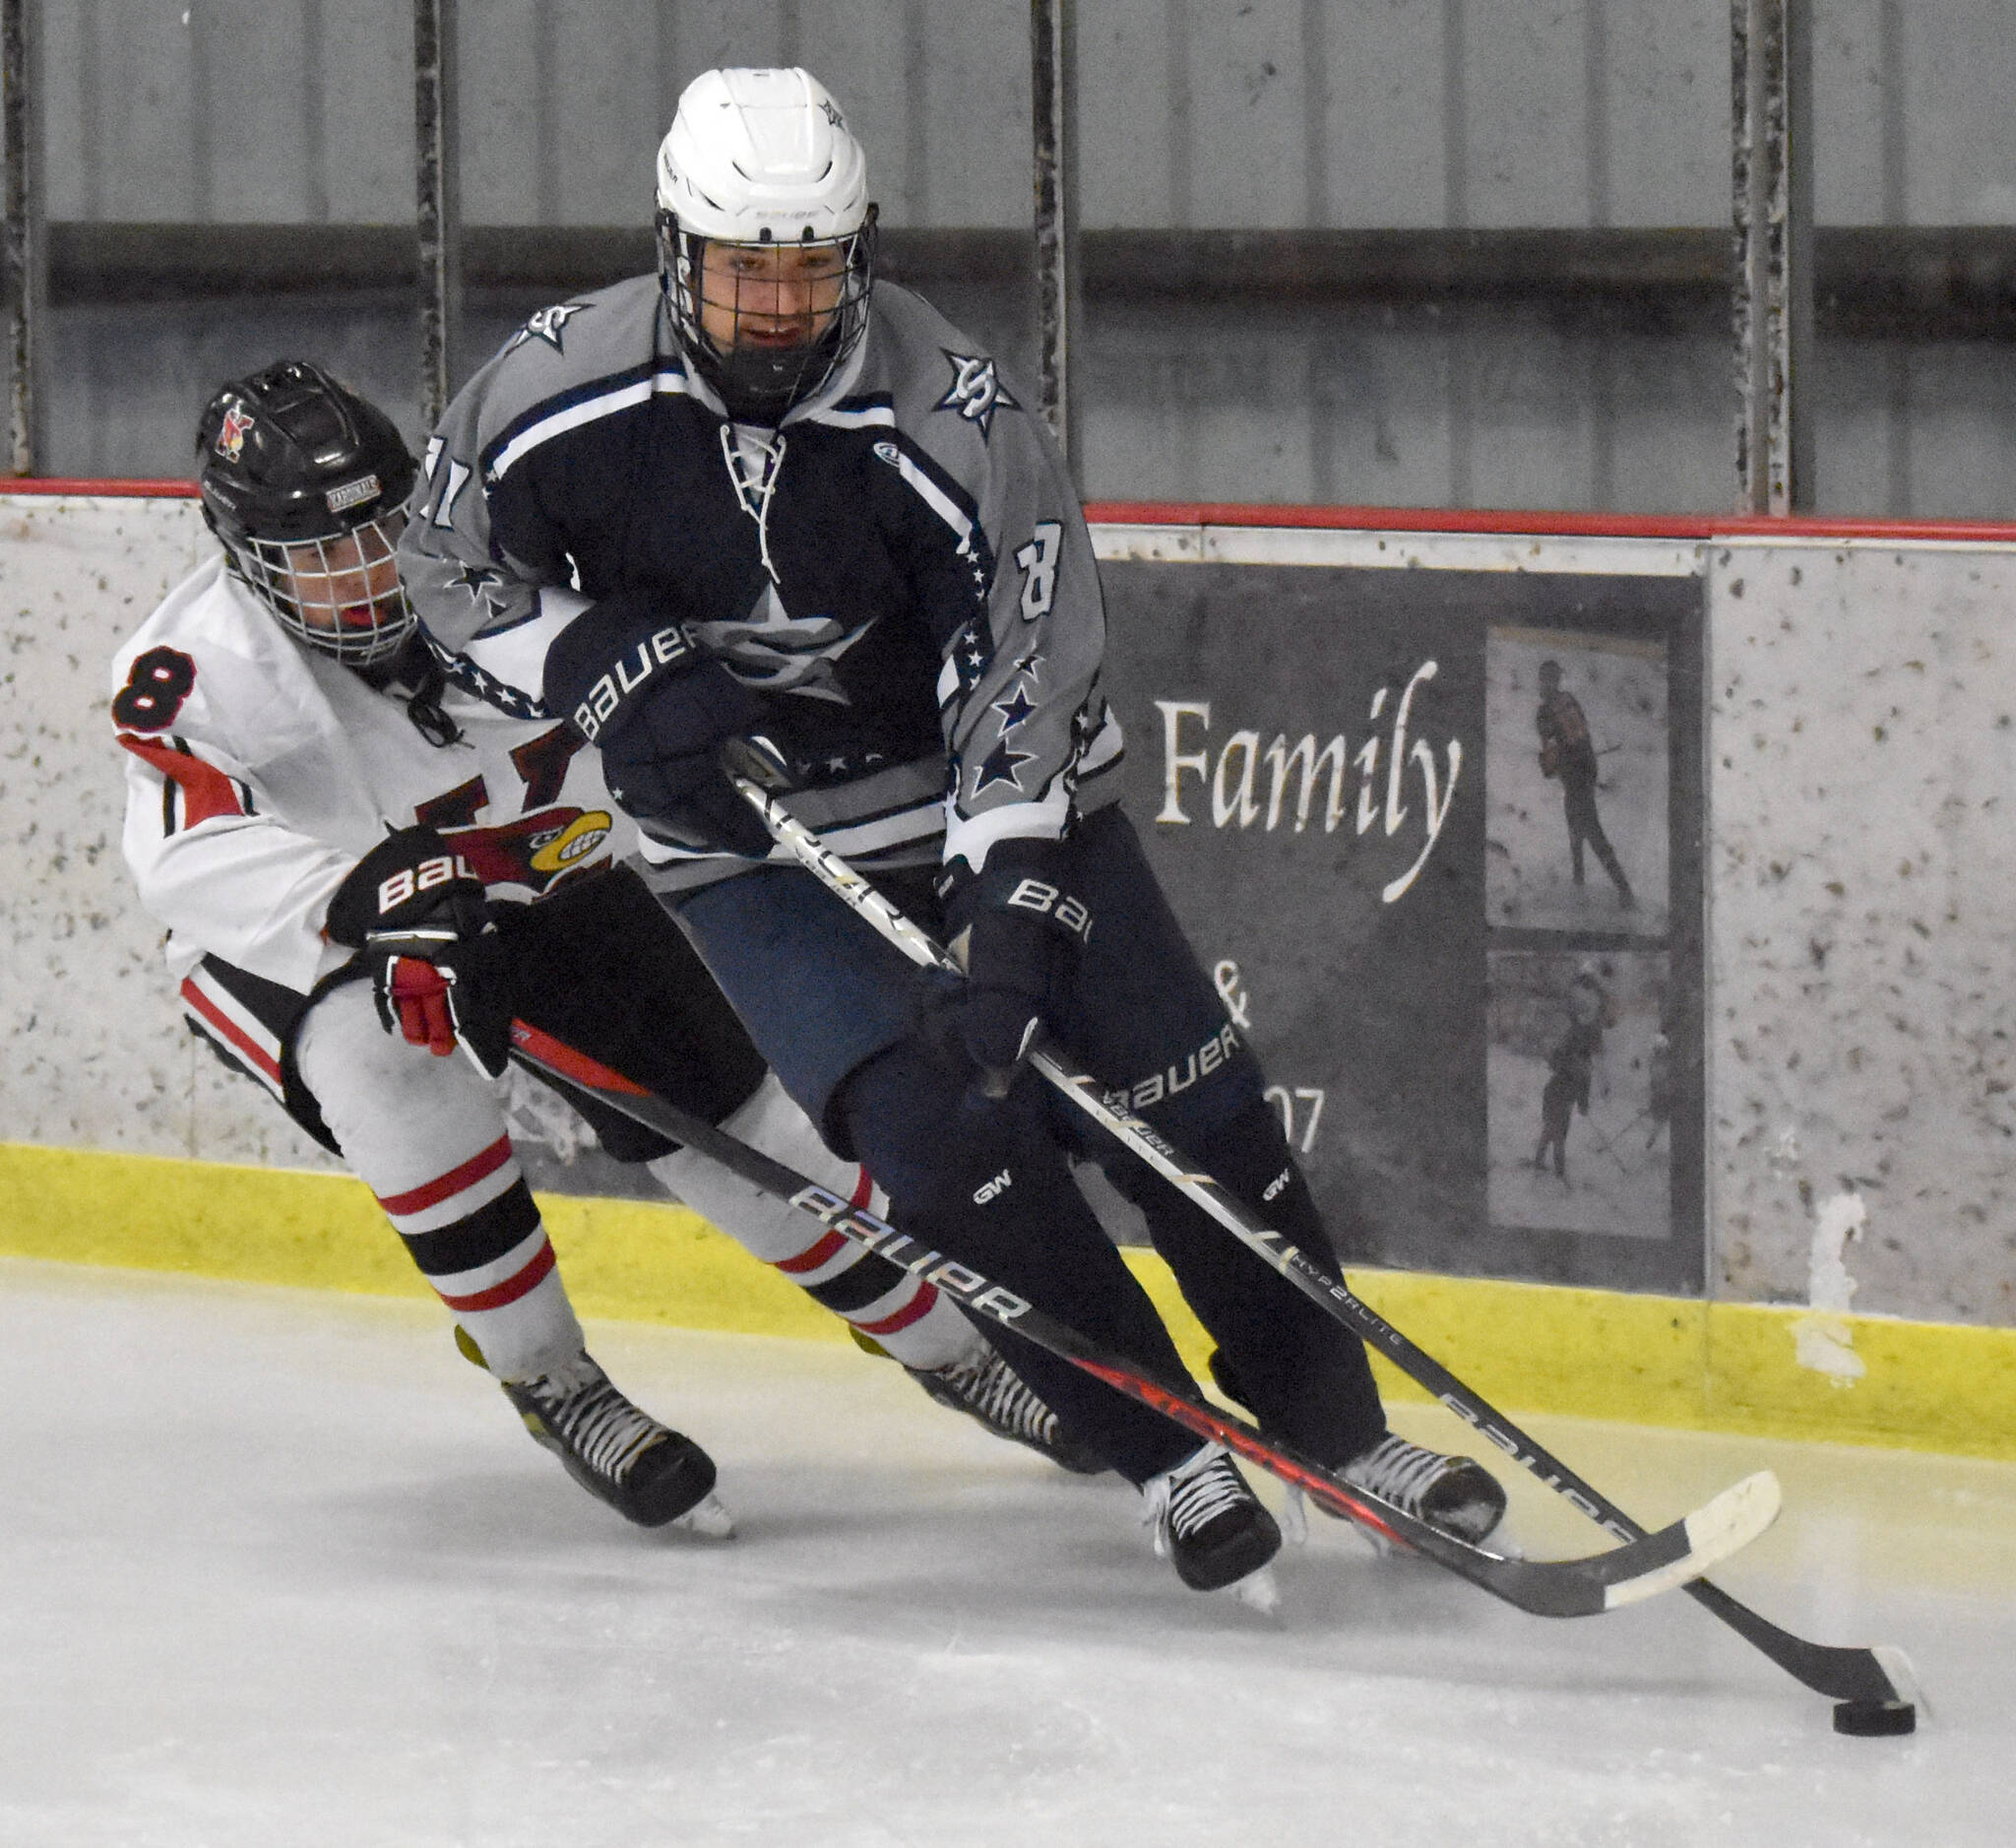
[(764, 157)]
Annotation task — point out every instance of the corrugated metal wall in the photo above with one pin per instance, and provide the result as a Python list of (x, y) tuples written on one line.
[(1200, 115), (1208, 113)]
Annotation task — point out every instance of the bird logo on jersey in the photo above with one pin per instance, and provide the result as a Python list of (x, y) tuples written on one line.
[(535, 852), (230, 436), (548, 325), (977, 391)]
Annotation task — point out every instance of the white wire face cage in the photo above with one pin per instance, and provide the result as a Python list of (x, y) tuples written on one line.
[(767, 380), (339, 595)]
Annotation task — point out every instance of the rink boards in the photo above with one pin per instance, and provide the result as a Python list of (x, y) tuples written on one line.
[(1804, 739)]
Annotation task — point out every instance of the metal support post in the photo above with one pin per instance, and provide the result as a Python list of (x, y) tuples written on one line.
[(1772, 74), (1053, 99), (440, 206), (25, 273)]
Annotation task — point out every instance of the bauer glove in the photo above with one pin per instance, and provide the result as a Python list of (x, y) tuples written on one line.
[(659, 710), (418, 914), (1019, 932)]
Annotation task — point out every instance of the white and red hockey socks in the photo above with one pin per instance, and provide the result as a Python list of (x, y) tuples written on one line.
[(902, 1314), (478, 1240)]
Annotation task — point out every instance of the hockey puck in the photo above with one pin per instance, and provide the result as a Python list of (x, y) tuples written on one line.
[(1876, 1719)]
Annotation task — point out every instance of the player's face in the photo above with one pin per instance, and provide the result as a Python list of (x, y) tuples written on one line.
[(343, 583), (769, 295)]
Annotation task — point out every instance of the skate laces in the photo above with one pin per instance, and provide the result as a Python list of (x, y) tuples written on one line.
[(1397, 1472), (1191, 1495), (583, 1409), (1001, 1396)]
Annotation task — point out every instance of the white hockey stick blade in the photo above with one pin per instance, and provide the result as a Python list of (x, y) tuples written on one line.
[(1716, 1531)]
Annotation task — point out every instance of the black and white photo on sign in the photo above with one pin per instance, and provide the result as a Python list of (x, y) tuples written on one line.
[(1575, 782), (1581, 1091)]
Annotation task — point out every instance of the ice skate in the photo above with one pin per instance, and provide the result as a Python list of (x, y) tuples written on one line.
[(1211, 1525), (992, 1393), (1453, 1493), (619, 1454)]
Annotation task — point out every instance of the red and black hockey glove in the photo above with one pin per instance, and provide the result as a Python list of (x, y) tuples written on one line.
[(659, 710), (418, 914), (1019, 932)]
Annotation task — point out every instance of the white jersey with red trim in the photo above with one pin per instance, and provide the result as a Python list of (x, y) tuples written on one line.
[(259, 772)]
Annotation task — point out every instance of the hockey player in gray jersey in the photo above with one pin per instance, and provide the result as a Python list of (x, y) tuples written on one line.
[(367, 872), (759, 492)]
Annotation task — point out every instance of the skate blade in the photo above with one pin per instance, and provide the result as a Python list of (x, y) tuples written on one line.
[(1293, 1518), (708, 1517), (1257, 1592)]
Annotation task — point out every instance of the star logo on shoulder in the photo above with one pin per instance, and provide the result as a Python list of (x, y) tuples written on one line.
[(977, 391), (1003, 765), (1014, 709), (548, 325)]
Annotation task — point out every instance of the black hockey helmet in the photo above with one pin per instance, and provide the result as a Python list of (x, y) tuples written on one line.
[(306, 483)]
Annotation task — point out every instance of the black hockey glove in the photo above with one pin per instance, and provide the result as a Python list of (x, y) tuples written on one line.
[(1019, 932), (418, 914), (659, 711)]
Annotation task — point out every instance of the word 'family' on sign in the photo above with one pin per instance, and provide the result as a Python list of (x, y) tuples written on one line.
[(1232, 775)]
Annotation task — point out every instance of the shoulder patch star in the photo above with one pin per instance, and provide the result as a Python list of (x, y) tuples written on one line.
[(1003, 765), (1014, 709), (977, 391), (548, 325)]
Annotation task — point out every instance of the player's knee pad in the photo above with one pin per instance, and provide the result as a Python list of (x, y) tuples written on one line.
[(906, 1115), (396, 1110), (989, 1186)]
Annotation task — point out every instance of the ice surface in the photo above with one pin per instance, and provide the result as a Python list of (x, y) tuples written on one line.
[(278, 1569)]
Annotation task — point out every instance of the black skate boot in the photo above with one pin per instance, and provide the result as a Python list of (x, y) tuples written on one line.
[(1208, 1523), (619, 1454), (1453, 1493), (992, 1393)]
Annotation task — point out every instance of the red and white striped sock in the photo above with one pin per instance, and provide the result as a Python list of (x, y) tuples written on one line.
[(902, 1314), (478, 1240)]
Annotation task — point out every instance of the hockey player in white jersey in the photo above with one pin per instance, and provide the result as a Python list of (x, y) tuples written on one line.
[(366, 871), (761, 491)]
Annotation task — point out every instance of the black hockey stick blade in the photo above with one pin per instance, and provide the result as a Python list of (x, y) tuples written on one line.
[(1581, 1587), (1842, 1672)]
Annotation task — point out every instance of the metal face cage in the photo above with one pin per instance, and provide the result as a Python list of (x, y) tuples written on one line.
[(339, 595), (760, 380)]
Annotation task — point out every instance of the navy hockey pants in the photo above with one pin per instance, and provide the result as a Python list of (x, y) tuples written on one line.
[(834, 1009)]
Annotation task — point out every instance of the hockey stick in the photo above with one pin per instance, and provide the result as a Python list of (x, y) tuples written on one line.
[(1856, 1675), (1582, 1587)]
